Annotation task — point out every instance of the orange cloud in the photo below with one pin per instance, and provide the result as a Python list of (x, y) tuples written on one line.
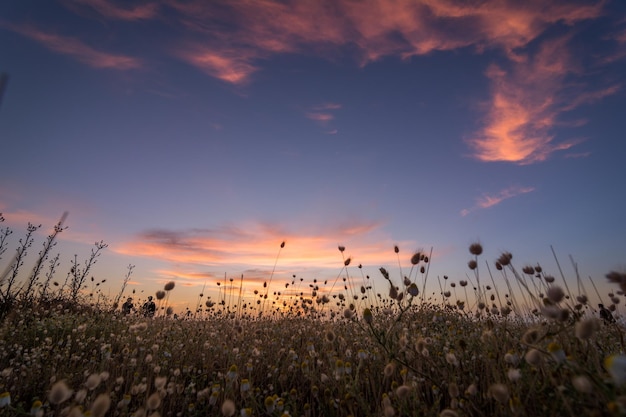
[(196, 254), (490, 200), (527, 99), (320, 117), (76, 49)]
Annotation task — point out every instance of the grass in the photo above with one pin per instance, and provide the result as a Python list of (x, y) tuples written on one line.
[(346, 352)]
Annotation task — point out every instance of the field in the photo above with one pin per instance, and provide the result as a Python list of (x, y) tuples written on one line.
[(341, 352)]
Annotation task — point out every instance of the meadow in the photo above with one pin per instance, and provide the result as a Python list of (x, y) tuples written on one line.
[(333, 349)]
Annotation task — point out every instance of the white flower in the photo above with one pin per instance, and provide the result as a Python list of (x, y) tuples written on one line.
[(616, 366)]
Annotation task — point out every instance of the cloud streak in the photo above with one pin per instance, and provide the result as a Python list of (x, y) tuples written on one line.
[(489, 200), (75, 48), (258, 245)]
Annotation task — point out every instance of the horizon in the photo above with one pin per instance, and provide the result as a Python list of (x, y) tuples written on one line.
[(193, 138)]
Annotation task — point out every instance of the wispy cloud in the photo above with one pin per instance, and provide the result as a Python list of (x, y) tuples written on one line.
[(111, 10), (490, 200), (232, 66), (75, 48), (528, 96), (323, 113)]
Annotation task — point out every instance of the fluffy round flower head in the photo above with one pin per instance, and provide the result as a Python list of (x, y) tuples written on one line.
[(616, 366), (228, 408), (499, 392), (555, 294), (93, 381), (476, 249), (169, 286), (154, 401), (160, 295), (586, 328), (505, 258), (533, 357), (403, 391), (101, 405), (367, 316), (59, 393), (582, 384)]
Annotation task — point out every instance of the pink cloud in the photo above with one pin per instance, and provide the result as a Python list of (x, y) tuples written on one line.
[(320, 117), (231, 66), (490, 200), (111, 10), (526, 101), (76, 49)]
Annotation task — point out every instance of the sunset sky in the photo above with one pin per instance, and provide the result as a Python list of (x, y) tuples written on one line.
[(193, 137)]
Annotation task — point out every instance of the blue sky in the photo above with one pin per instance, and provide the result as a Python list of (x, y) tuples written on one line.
[(194, 137)]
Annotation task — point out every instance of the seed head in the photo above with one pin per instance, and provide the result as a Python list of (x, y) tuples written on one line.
[(476, 249), (228, 408), (499, 392), (169, 286), (582, 384), (154, 401), (160, 295), (101, 405), (472, 264), (555, 294), (505, 258), (59, 393), (586, 328)]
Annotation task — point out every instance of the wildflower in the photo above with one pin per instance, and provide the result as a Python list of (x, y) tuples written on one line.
[(389, 411), (35, 409), (100, 405), (169, 286), (413, 290), (586, 328), (269, 404), (476, 249), (616, 366), (531, 336), (154, 401), (367, 316), (93, 381), (533, 357), (228, 408), (389, 369), (451, 359), (159, 382), (511, 358), (59, 393), (160, 295), (499, 392), (80, 396), (347, 313), (403, 391), (246, 412), (5, 399), (231, 375), (471, 390), (582, 384), (555, 294), (556, 351), (514, 374), (453, 390)]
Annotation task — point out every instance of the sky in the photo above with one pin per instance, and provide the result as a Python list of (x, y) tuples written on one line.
[(195, 137)]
